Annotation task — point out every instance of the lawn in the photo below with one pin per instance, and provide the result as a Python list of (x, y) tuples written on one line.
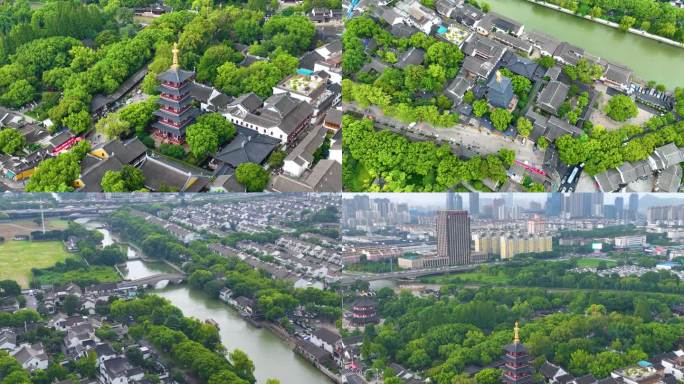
[(18, 257), (593, 263)]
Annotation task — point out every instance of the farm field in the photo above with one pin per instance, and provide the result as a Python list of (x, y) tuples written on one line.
[(25, 227), (18, 257)]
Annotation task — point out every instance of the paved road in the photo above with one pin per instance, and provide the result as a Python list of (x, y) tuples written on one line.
[(477, 141)]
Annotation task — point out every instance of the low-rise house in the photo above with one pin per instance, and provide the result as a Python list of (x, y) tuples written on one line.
[(31, 357), (245, 305), (551, 372), (494, 22), (333, 120), (457, 89), (79, 338), (325, 176), (617, 77), (568, 54), (247, 147), (335, 151), (513, 42), (672, 363), (119, 371), (467, 15), (475, 67), (225, 294), (667, 156), (280, 116), (104, 352), (546, 44), (412, 56), (226, 183), (311, 352), (210, 99), (552, 96), (164, 175), (417, 15), (669, 179), (523, 66), (8, 340), (302, 156), (326, 339)]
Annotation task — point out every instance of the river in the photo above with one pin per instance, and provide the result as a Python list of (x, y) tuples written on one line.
[(271, 356), (649, 59)]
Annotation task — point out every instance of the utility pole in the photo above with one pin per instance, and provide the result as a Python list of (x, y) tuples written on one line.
[(42, 216)]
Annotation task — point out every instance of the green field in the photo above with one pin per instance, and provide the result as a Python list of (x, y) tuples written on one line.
[(593, 263), (18, 257), (469, 277)]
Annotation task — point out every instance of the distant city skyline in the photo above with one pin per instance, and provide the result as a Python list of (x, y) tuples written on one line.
[(438, 200)]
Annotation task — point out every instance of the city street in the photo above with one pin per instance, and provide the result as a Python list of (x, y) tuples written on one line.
[(475, 141)]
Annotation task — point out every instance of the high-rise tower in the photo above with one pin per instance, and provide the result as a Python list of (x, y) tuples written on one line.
[(453, 237)]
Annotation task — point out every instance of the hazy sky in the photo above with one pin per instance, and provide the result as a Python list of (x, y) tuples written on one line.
[(438, 200)]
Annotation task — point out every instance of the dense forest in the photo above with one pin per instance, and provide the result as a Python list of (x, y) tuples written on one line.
[(405, 166), (584, 332)]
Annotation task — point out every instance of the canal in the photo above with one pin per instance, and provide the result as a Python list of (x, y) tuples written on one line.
[(271, 356), (649, 59)]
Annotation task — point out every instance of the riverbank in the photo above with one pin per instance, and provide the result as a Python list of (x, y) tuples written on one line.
[(611, 24), (648, 58)]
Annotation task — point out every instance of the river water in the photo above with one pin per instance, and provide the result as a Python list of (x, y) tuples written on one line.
[(272, 357), (649, 59)]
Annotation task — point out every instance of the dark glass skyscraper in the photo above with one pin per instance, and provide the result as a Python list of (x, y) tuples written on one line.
[(454, 201), (453, 236), (633, 206), (474, 204)]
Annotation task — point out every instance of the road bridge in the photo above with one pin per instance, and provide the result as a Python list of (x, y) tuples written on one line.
[(154, 280)]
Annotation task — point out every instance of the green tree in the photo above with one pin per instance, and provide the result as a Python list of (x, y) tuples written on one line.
[(621, 108), (542, 142), (480, 108), (501, 118), (129, 179), (19, 93), (488, 376), (11, 141), (596, 12), (627, 22), (87, 366), (252, 176), (113, 126), (546, 61), (78, 122), (71, 304), (524, 127), (244, 367), (276, 159), (209, 131)]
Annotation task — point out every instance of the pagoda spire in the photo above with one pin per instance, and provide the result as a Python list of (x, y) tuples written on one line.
[(175, 52), (516, 333)]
